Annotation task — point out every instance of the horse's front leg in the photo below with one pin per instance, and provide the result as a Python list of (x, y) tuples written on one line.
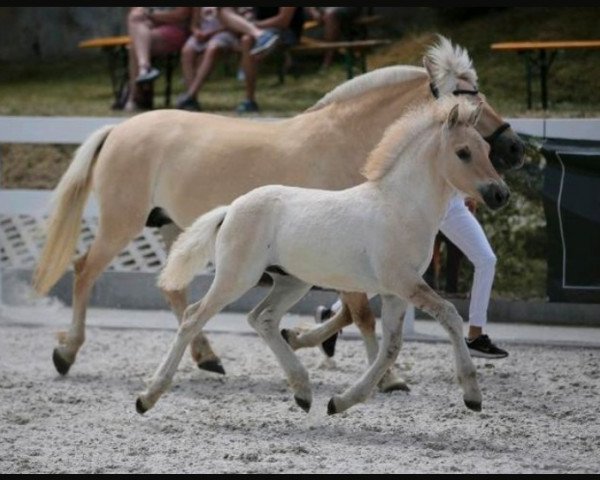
[(200, 348), (392, 319), (311, 337), (425, 298), (265, 319)]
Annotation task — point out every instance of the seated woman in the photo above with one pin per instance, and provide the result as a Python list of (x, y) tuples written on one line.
[(208, 41), (153, 31)]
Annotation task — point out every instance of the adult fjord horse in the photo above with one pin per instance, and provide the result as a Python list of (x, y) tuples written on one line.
[(188, 163), (377, 237)]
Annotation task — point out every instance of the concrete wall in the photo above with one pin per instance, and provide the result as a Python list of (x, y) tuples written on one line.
[(51, 32)]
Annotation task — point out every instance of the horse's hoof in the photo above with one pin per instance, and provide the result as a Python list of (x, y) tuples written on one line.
[(61, 365), (303, 404), (398, 386), (475, 406), (286, 335), (139, 406), (212, 366), (331, 410), (329, 345)]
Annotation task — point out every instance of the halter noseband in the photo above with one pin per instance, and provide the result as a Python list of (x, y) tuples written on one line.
[(496, 133)]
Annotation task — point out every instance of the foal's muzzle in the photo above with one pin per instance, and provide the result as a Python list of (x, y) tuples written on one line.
[(495, 195), (507, 150)]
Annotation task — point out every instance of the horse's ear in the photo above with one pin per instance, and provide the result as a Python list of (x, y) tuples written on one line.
[(475, 114), (428, 67), (452, 119)]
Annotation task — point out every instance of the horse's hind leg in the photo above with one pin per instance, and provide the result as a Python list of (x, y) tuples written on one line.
[(391, 319), (200, 347), (362, 316), (265, 318), (425, 298), (105, 246)]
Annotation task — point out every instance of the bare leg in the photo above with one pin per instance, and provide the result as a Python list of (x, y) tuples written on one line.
[(238, 23), (249, 66), (265, 319), (205, 67), (425, 298), (200, 348), (391, 319)]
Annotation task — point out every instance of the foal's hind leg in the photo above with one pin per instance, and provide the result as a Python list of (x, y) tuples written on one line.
[(391, 319), (106, 245), (200, 348), (265, 318), (362, 316)]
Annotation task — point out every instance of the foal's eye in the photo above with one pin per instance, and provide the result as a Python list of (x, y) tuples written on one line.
[(464, 154)]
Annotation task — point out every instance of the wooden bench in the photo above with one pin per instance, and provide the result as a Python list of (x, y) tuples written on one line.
[(116, 49), (354, 51), (354, 47), (546, 52)]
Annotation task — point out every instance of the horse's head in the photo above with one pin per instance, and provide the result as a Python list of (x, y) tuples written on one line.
[(451, 73), (466, 164)]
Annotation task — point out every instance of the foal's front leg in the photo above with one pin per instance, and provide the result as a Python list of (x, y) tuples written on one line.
[(425, 298), (392, 318)]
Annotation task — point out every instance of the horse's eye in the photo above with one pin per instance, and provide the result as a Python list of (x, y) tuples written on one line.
[(464, 154)]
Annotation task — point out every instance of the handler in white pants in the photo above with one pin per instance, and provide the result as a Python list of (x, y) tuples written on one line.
[(461, 227)]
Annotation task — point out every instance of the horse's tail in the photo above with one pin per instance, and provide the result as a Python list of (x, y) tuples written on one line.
[(64, 223), (192, 251)]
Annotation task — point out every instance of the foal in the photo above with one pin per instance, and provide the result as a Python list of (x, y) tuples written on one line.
[(345, 240)]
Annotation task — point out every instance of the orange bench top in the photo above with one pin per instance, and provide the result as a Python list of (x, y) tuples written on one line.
[(549, 45), (105, 42)]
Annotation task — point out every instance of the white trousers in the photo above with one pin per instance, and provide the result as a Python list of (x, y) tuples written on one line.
[(462, 228)]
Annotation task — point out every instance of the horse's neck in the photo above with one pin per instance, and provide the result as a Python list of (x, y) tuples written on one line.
[(416, 180), (360, 121)]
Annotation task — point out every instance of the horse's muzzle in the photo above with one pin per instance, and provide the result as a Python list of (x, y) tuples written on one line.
[(507, 151), (495, 195)]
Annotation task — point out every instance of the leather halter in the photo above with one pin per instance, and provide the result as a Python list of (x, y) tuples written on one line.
[(496, 133)]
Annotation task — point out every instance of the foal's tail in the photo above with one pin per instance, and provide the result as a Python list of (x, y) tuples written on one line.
[(68, 201), (192, 251)]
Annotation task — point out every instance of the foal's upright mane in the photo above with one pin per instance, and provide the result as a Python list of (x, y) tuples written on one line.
[(411, 128), (448, 63)]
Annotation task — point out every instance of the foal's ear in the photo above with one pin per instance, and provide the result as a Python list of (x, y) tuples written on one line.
[(475, 114), (452, 119)]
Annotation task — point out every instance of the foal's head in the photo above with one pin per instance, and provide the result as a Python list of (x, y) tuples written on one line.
[(451, 73), (464, 155)]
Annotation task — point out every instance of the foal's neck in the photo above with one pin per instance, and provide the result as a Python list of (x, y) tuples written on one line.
[(416, 179)]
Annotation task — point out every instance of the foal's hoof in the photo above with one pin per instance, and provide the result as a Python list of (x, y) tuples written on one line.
[(329, 345), (303, 404), (475, 406), (61, 365), (331, 409), (212, 366), (139, 406)]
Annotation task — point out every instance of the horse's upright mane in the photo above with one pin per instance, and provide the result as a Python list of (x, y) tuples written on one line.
[(382, 77), (448, 62), (409, 128)]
